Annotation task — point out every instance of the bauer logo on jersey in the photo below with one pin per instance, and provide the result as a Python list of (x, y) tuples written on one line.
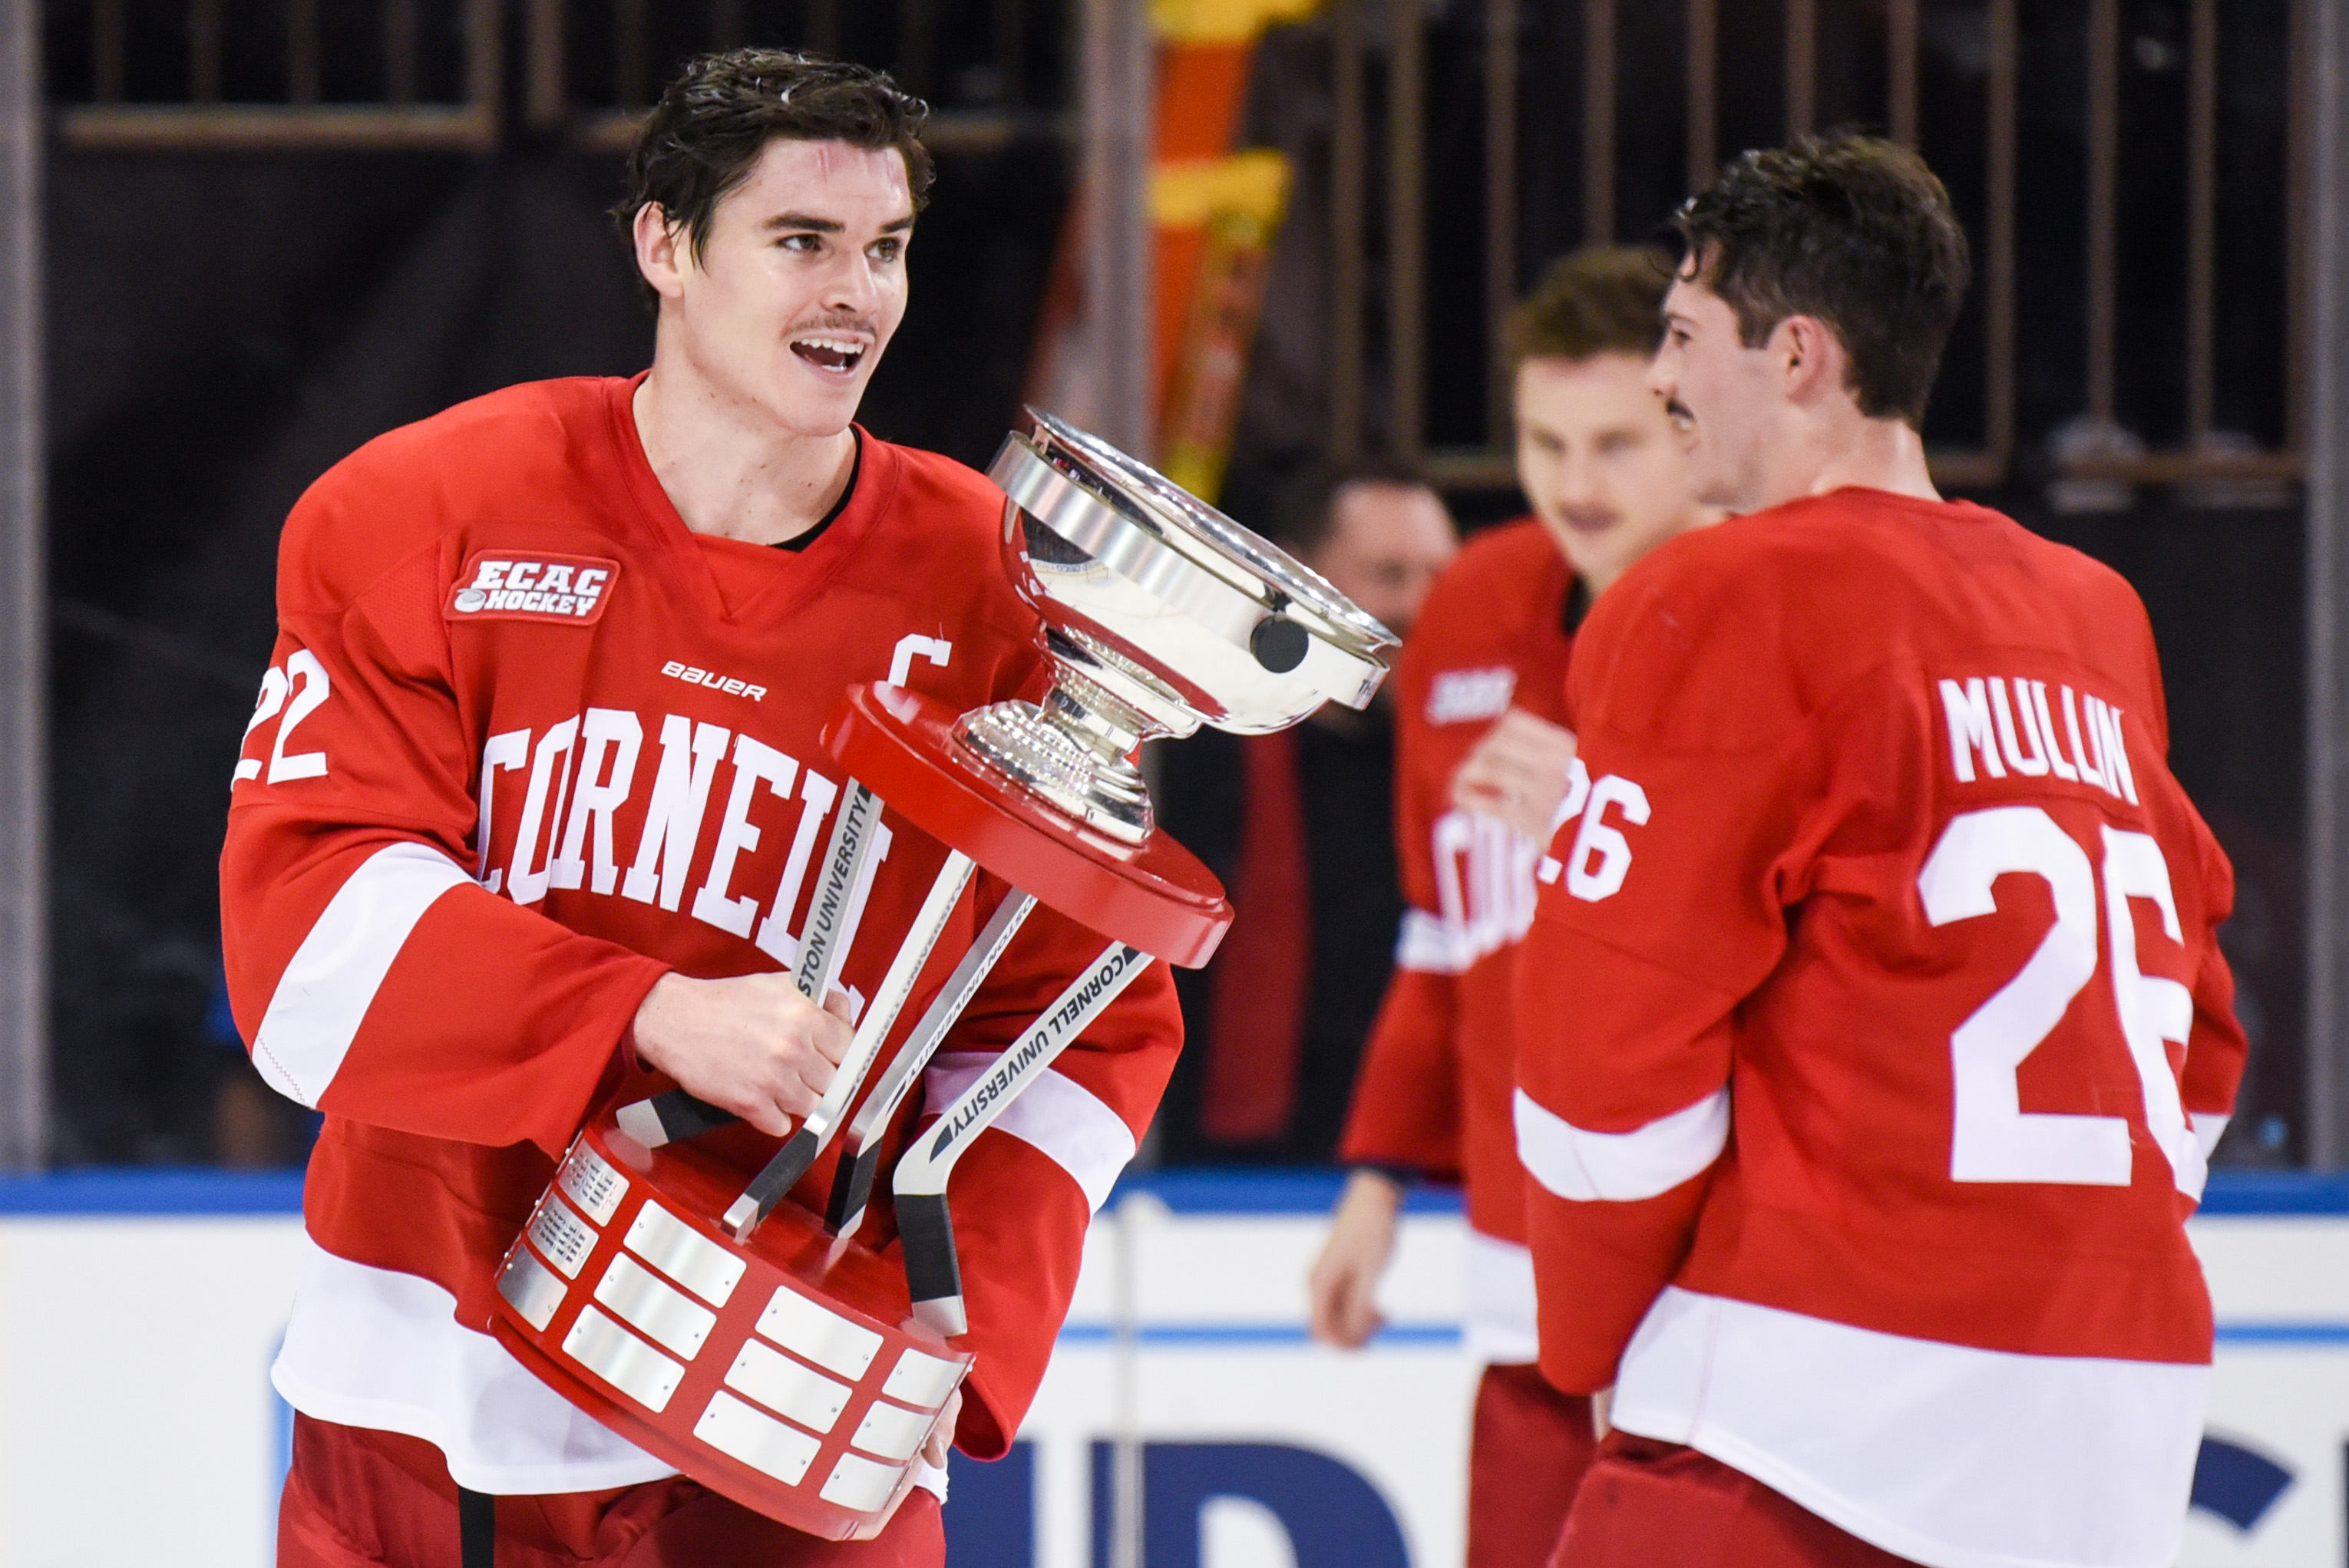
[(506, 585), (1459, 696)]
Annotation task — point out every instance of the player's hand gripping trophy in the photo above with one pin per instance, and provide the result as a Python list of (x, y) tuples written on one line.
[(754, 1343)]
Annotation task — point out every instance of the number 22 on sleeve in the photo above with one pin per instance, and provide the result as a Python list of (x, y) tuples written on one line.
[(1992, 1138), (304, 679)]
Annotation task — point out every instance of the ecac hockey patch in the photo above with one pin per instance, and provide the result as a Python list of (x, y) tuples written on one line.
[(503, 585)]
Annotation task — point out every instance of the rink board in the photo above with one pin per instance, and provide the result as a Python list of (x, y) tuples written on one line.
[(139, 1313)]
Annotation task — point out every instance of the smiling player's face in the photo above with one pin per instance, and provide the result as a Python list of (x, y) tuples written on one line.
[(800, 287)]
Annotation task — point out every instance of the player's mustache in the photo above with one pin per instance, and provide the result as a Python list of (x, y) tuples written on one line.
[(866, 325)]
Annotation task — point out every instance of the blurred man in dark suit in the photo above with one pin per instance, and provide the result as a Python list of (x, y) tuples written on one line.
[(1298, 825)]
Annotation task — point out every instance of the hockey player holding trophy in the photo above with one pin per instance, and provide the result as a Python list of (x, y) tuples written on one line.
[(657, 780)]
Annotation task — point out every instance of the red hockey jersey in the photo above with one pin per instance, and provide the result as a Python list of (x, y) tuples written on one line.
[(1433, 1094), (527, 745), (1874, 1033)]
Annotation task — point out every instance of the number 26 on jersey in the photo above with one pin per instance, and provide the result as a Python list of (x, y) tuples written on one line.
[(1992, 1138)]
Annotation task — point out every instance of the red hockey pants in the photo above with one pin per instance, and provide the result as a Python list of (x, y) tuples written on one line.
[(1529, 1450), (361, 1498), (1646, 1504)]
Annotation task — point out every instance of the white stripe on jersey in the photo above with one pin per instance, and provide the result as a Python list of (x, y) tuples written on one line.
[(1944, 1454), (1499, 1319), (1430, 944), (2209, 1127), (1620, 1167), (1055, 1113), (325, 993), (380, 1349)]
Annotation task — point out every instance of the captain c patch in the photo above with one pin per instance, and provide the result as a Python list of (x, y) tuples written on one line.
[(503, 585)]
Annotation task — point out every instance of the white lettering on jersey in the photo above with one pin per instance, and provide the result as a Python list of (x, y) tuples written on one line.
[(597, 796), (1483, 886), (583, 771), (689, 755), (1991, 1136), (265, 709), (511, 749), (1485, 880), (1458, 697), (753, 762), (2105, 725), (730, 686), (304, 679), (2091, 747), (937, 649), (1968, 710), (550, 771), (1601, 856), (569, 588), (2034, 764), (775, 939), (2064, 770)]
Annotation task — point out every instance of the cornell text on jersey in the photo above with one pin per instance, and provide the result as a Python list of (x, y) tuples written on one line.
[(2008, 725)]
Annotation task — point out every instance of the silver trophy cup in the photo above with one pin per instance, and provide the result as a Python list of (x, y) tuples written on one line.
[(1161, 614)]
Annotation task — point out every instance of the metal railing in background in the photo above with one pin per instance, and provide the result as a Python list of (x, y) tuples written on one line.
[(24, 642), (422, 74), (2324, 219), (280, 97), (2098, 449), (599, 94)]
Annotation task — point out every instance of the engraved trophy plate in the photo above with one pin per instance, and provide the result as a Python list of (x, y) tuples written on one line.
[(740, 1330), (562, 1237), (592, 1183)]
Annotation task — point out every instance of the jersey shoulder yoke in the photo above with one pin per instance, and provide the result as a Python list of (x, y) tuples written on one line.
[(542, 448)]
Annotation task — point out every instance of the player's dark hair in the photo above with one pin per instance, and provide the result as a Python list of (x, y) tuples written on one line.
[(1602, 299), (713, 122), (1853, 230), (1305, 511)]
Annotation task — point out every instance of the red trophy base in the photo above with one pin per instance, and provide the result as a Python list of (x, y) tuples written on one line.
[(1154, 895), (787, 1374), (787, 1371)]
